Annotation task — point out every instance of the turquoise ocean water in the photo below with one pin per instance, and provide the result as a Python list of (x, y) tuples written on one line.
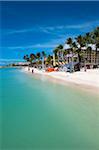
[(37, 114)]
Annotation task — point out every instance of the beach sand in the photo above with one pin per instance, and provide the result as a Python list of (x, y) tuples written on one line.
[(88, 81)]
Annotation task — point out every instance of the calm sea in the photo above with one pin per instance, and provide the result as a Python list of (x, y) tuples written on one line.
[(37, 114)]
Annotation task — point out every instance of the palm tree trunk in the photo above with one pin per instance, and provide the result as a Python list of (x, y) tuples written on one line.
[(68, 59), (85, 69), (96, 56), (62, 56), (43, 63), (54, 62), (79, 59)]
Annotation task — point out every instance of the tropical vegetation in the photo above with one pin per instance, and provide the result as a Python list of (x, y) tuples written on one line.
[(77, 47)]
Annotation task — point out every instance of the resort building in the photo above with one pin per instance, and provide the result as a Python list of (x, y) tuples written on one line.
[(92, 57), (88, 54)]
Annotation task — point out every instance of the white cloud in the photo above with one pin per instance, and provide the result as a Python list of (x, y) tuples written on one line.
[(44, 45), (60, 39), (21, 31), (55, 29), (9, 60)]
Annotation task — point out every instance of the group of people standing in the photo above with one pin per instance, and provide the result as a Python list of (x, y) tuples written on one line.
[(29, 70)]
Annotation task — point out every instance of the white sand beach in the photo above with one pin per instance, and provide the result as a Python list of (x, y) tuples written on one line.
[(88, 78)]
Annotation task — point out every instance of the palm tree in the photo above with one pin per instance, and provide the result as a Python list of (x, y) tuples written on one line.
[(69, 41), (54, 61), (81, 42), (58, 50), (32, 57), (65, 53), (49, 59), (38, 56), (43, 54), (74, 51), (43, 58), (72, 48), (55, 51), (55, 56), (26, 57), (87, 39)]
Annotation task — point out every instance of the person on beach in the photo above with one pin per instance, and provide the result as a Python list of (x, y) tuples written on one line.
[(32, 71), (28, 68), (85, 68)]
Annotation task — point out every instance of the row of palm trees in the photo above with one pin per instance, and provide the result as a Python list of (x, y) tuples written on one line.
[(75, 47), (35, 57)]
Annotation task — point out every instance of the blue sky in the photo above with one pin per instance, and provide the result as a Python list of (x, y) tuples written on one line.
[(28, 27)]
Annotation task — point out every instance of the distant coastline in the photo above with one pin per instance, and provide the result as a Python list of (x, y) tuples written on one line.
[(10, 65)]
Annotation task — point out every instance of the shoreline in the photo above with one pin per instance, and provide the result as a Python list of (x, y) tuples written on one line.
[(86, 81)]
